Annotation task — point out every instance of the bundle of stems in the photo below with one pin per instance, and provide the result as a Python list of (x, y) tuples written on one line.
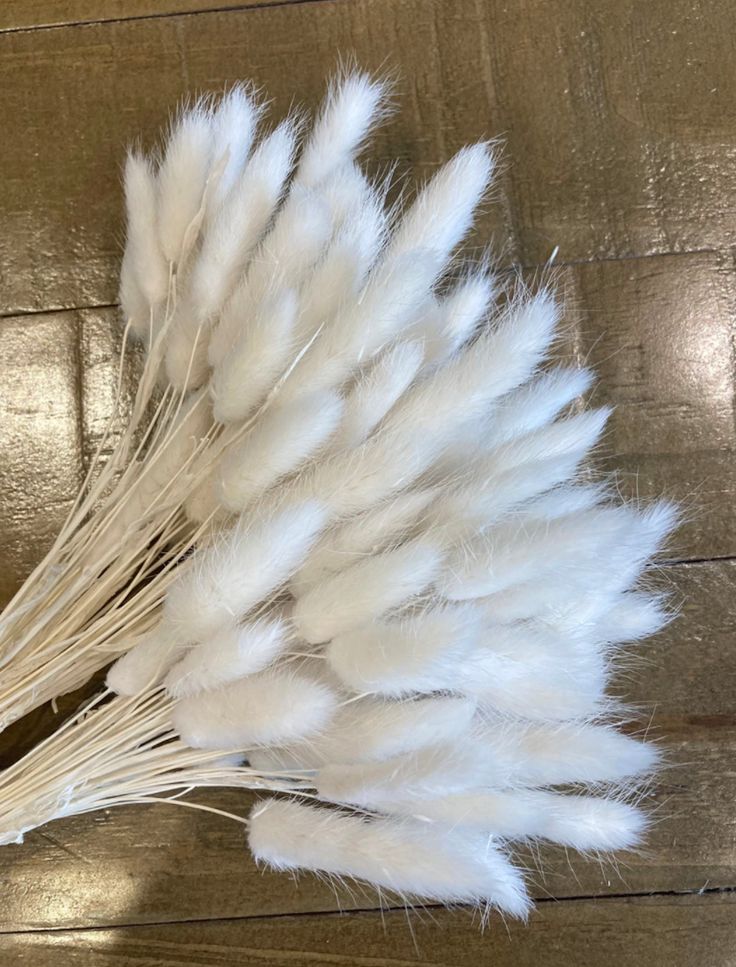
[(343, 548)]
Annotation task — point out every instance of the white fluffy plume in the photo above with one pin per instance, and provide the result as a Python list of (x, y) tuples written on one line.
[(280, 708), (460, 866), (405, 595)]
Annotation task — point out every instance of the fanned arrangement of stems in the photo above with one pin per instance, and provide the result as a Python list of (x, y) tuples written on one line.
[(343, 548)]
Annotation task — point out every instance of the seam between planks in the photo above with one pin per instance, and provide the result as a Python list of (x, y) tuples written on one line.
[(530, 266), (304, 914), (225, 8), (29, 313)]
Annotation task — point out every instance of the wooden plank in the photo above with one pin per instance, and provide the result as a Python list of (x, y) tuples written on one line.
[(60, 375), (24, 15), (620, 123), (658, 332), (577, 176), (681, 931), (168, 863), (41, 439)]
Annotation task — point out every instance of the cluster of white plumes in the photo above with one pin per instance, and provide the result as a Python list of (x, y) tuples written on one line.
[(405, 589)]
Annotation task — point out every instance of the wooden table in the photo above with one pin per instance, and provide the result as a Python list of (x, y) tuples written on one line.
[(619, 123)]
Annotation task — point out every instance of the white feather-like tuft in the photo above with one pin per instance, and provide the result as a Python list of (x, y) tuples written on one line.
[(182, 179), (226, 580), (147, 662), (230, 654), (244, 378), (144, 277), (353, 104), (400, 656), (271, 708), (366, 590), (376, 392), (580, 822), (277, 445), (405, 857)]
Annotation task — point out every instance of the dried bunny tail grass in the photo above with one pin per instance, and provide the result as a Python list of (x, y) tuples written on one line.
[(533, 754), (518, 475), (452, 320), (486, 496), (225, 579), (355, 102), (312, 209), (227, 246), (255, 198), (341, 272), (579, 822), (182, 178), (145, 664), (282, 707), (502, 358), (232, 653), (144, 275), (631, 616), (390, 299), (518, 552), (401, 656), (370, 729), (362, 535), (405, 857), (494, 758), (345, 534), (86, 600), (167, 471), (535, 404), (355, 481), (261, 357), (409, 266), (366, 590), (422, 424), (234, 126), (277, 446), (443, 212), (240, 569), (376, 391)]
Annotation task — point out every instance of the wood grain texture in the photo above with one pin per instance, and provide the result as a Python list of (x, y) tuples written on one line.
[(25, 14), (41, 440), (635, 158), (57, 394), (168, 863), (656, 931), (619, 124), (659, 333), (620, 121)]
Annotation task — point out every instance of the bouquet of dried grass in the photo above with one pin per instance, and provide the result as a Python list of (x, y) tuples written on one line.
[(342, 548)]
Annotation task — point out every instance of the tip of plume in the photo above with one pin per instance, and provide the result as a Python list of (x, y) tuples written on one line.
[(477, 161), (662, 518), (371, 92)]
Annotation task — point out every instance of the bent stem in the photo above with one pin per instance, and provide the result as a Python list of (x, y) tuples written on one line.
[(117, 751)]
